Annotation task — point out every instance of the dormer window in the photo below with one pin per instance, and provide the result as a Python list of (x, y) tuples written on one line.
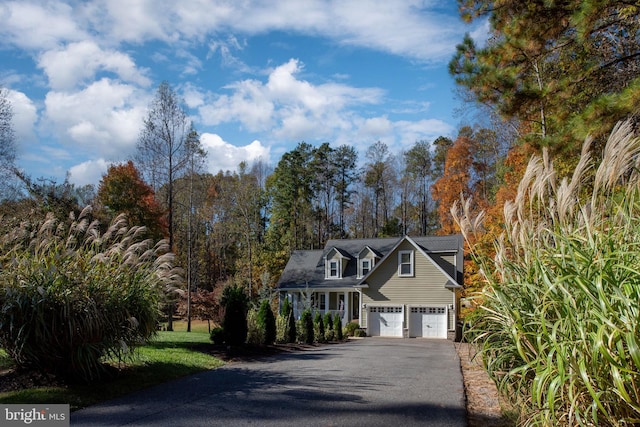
[(405, 263), (335, 262), (366, 267), (334, 271)]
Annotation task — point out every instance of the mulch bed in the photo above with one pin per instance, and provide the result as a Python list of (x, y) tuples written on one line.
[(484, 406)]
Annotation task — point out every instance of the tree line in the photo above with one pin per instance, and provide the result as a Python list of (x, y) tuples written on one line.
[(543, 87)]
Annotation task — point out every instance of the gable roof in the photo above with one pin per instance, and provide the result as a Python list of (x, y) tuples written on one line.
[(307, 269), (451, 282)]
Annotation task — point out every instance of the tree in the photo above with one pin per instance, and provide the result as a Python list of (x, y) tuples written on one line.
[(344, 160), (440, 146), (122, 190), (291, 194), (575, 72), (164, 151), (7, 146), (379, 177), (418, 168), (323, 187), (454, 182)]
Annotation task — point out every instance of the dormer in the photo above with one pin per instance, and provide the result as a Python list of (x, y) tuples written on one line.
[(367, 259), (334, 263)]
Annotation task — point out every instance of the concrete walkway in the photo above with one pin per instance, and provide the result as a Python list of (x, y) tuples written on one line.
[(369, 382)]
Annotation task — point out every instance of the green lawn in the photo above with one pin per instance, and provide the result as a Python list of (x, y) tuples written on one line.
[(170, 355)]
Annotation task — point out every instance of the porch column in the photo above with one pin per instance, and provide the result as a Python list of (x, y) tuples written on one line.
[(326, 302), (345, 318)]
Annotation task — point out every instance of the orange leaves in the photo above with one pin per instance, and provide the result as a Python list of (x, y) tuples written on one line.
[(122, 190)]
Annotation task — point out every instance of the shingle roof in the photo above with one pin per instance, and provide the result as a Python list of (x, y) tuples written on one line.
[(306, 268)]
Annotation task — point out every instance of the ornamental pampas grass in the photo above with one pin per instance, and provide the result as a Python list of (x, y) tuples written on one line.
[(559, 323), (70, 296)]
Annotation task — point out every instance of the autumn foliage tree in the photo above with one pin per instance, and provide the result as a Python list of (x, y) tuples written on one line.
[(454, 182), (122, 190)]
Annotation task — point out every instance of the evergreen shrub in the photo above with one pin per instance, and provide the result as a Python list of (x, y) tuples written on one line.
[(306, 323), (234, 323), (337, 328), (267, 323)]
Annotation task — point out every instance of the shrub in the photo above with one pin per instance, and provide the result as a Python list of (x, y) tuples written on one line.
[(287, 313), (234, 321), (318, 327), (217, 335), (267, 323), (71, 296), (255, 332), (282, 325), (558, 321), (337, 328), (306, 323), (328, 321), (359, 333), (329, 335), (351, 328)]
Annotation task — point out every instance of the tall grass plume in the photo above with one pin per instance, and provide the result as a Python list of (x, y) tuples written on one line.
[(558, 322)]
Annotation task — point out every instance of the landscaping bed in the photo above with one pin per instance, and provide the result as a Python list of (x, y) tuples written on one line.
[(484, 406)]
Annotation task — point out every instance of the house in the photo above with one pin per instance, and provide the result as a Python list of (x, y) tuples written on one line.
[(400, 287)]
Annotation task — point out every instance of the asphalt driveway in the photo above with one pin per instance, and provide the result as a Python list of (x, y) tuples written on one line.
[(369, 382)]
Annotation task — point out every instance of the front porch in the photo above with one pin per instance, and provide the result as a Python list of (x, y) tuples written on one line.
[(342, 303)]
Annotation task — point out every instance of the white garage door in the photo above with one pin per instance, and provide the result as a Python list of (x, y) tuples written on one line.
[(428, 322), (385, 321)]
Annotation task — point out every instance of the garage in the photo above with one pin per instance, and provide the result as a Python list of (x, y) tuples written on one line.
[(428, 322), (385, 321)]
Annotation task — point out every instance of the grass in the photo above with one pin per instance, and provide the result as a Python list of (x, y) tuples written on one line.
[(560, 314), (169, 356)]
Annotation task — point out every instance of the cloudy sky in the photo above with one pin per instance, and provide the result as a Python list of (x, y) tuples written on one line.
[(257, 77)]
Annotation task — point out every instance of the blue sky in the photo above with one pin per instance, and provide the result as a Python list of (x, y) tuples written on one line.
[(257, 77)]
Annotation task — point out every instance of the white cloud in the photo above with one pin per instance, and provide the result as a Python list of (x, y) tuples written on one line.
[(38, 25), (428, 129), (225, 156), (288, 106), (25, 115), (103, 119), (413, 28), (79, 62), (89, 172)]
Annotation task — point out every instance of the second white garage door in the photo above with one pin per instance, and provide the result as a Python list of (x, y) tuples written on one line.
[(428, 322), (385, 321)]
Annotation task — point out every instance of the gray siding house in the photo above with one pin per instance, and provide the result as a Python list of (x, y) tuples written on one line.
[(400, 287)]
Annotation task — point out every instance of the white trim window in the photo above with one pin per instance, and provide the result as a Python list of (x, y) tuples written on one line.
[(405, 263), (333, 269), (365, 266)]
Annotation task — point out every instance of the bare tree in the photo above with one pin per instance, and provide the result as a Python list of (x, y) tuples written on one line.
[(164, 152), (7, 145)]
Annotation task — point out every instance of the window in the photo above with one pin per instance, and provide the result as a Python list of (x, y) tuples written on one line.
[(405, 263), (333, 271), (323, 302), (366, 266)]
